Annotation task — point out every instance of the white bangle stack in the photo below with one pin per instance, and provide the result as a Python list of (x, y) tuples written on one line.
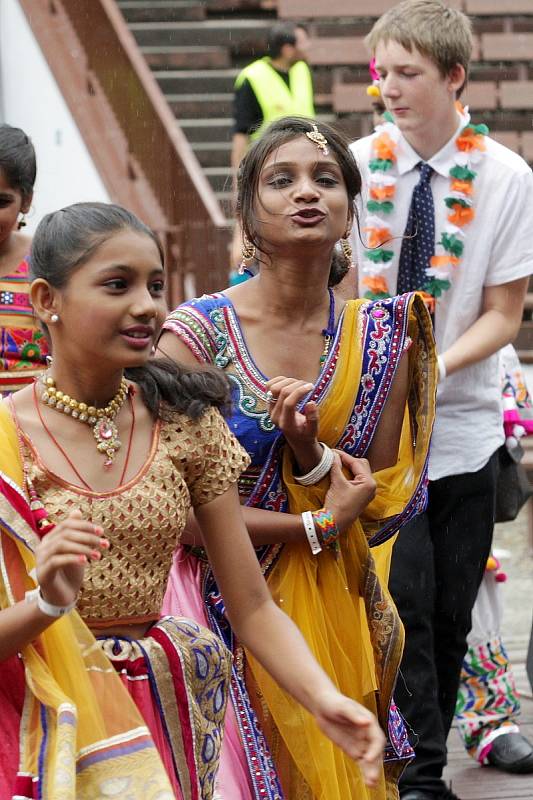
[(35, 596), (310, 532), (321, 469)]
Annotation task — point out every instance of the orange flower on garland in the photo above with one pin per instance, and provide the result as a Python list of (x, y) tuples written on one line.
[(384, 147), (376, 284), (465, 187), (461, 215), (443, 261), (469, 140), (382, 192), (377, 236)]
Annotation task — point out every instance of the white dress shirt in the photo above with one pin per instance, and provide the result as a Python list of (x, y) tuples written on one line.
[(498, 249)]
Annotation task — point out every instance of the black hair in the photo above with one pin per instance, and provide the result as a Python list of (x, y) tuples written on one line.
[(17, 159), (281, 34), (63, 242), (278, 133)]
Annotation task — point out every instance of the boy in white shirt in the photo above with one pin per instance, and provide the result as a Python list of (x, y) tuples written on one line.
[(445, 210)]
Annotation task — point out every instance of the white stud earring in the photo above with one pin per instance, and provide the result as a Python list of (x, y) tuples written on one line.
[(54, 318)]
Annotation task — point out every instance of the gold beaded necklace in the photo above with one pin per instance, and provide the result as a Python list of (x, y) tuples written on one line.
[(101, 420)]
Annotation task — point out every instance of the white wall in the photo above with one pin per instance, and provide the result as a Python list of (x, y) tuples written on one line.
[(31, 100)]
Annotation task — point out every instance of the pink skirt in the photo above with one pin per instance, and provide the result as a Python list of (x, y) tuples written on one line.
[(183, 598)]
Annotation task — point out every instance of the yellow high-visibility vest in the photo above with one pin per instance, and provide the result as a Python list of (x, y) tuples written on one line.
[(275, 98)]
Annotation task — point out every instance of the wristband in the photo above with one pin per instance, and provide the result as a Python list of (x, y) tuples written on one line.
[(442, 368), (321, 469), (35, 595), (310, 532), (326, 527)]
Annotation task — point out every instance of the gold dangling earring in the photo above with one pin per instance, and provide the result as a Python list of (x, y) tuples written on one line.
[(247, 253), (22, 222), (347, 251)]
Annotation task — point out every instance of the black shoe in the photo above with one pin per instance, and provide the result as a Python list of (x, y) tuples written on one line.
[(511, 752)]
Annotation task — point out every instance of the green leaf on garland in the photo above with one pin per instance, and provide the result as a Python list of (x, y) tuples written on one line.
[(462, 173), (388, 116), (385, 208), (436, 286), (452, 244), (481, 128), (380, 164), (376, 295), (456, 201), (379, 255)]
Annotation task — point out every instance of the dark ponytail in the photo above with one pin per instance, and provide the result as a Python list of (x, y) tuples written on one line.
[(168, 387), (63, 242)]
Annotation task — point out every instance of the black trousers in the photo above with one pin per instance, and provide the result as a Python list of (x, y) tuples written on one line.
[(437, 566)]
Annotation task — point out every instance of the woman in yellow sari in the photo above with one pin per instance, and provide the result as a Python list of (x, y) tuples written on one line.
[(364, 384), (99, 696)]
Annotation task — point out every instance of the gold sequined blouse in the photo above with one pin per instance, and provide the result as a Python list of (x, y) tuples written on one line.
[(190, 463)]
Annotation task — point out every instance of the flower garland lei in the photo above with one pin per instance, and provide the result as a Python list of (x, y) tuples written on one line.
[(470, 145)]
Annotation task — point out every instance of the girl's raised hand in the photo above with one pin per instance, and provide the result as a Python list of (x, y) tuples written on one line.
[(62, 555), (353, 728), (346, 497)]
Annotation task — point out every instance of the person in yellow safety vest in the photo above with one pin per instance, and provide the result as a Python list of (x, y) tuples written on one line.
[(277, 85)]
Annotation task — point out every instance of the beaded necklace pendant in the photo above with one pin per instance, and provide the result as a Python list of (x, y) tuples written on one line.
[(107, 442), (102, 420)]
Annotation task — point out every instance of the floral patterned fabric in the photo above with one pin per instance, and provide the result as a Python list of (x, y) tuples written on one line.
[(23, 346)]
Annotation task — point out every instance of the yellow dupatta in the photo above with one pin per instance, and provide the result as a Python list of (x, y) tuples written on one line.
[(340, 604), (82, 736)]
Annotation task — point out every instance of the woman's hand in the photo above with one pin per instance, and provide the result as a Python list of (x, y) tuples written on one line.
[(353, 728), (62, 555), (346, 497), (300, 427)]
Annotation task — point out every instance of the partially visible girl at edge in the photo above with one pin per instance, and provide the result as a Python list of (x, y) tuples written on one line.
[(23, 347), (89, 524), (367, 370)]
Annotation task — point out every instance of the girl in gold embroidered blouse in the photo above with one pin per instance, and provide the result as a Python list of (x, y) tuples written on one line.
[(111, 452)]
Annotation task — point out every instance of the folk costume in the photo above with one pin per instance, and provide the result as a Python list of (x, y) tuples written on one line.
[(337, 599), (471, 201), (488, 704), (115, 716), (23, 346)]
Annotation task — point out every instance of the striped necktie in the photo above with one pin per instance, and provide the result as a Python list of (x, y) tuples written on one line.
[(419, 244)]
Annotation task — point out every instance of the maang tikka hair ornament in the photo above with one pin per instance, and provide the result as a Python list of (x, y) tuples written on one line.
[(318, 138)]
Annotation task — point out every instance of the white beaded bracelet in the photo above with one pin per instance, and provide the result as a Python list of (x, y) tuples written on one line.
[(441, 366), (310, 532), (321, 469), (50, 610)]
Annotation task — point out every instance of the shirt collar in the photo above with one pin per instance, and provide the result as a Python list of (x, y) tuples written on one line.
[(408, 158)]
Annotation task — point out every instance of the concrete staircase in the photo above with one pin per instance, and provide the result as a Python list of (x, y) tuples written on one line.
[(195, 50)]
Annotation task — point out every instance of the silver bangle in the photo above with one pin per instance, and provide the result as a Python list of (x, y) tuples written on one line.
[(35, 596), (321, 469), (310, 532)]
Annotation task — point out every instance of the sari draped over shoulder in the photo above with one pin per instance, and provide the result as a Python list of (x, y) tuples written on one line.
[(340, 603)]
